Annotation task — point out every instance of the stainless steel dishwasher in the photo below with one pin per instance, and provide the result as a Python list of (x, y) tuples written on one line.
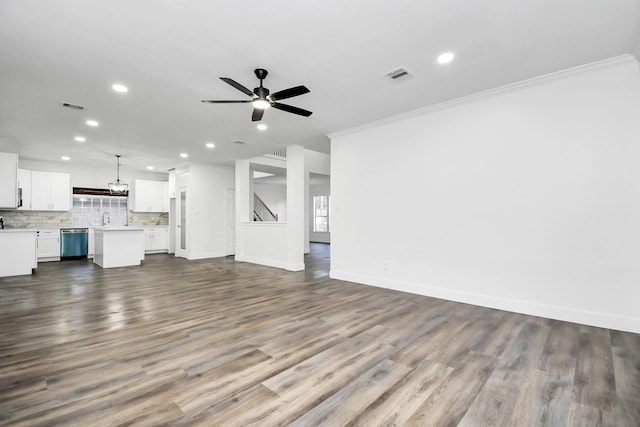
[(74, 242)]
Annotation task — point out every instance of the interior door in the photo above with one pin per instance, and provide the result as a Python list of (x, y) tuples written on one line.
[(172, 225), (181, 223)]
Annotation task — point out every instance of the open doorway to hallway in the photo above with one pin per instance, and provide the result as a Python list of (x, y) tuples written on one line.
[(319, 202), (318, 261)]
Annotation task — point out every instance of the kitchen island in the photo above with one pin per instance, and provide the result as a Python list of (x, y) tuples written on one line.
[(18, 252), (118, 246)]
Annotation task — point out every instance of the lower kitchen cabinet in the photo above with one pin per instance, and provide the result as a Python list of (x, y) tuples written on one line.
[(91, 245), (18, 252), (49, 244), (156, 240)]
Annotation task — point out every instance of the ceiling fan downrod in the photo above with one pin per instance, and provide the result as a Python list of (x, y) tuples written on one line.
[(261, 91)]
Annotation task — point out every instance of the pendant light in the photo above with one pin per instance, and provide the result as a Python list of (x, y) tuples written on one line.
[(118, 187)]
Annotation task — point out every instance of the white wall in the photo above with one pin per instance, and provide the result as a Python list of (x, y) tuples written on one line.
[(318, 190), (525, 199), (263, 243), (316, 162), (206, 210), (276, 244), (91, 176)]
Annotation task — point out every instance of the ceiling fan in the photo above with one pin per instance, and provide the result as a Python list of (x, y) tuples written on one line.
[(261, 99)]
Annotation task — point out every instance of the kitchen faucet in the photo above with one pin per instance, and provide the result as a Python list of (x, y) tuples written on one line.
[(106, 220)]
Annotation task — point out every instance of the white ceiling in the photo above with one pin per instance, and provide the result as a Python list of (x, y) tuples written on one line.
[(170, 54)]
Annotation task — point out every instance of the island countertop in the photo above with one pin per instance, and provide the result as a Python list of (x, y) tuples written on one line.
[(118, 228)]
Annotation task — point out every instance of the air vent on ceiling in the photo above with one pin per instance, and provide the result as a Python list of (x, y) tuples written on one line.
[(278, 154), (398, 74), (72, 106), (239, 142)]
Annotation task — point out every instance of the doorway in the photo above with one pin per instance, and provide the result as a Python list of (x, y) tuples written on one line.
[(181, 223)]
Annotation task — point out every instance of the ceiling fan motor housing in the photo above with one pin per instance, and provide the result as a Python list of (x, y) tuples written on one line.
[(262, 92)]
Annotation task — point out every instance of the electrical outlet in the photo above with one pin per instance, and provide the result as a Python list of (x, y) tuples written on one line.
[(385, 266)]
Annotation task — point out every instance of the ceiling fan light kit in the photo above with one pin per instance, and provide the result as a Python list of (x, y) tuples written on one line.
[(262, 104), (262, 100)]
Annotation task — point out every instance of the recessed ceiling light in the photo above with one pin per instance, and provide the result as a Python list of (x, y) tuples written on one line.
[(80, 138), (262, 126), (150, 168), (445, 58), (92, 123), (184, 155), (65, 158), (210, 145), (120, 88)]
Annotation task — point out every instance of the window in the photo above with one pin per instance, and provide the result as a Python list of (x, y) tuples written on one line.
[(321, 214), (88, 210)]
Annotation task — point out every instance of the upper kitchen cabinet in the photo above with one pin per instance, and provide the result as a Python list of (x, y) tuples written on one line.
[(24, 184), (50, 191), (8, 180), (150, 196)]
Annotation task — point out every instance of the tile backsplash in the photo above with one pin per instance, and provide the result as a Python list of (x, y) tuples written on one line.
[(148, 218), (35, 219), (50, 219)]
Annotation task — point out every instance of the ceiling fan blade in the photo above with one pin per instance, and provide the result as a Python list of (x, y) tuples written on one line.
[(238, 86), (289, 93), (214, 101), (257, 115), (291, 109)]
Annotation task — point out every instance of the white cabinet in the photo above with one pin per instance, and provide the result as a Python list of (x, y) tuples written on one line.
[(8, 180), (151, 196), (24, 184), (49, 244), (165, 197), (17, 252), (156, 240), (60, 192), (91, 244), (50, 191)]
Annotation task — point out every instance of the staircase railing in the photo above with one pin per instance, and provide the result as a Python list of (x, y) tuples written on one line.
[(261, 211)]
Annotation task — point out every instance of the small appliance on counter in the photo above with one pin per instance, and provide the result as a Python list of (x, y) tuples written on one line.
[(1, 223), (74, 242)]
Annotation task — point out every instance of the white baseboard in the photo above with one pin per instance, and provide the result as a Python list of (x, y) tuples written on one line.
[(272, 263), (203, 255), (568, 314)]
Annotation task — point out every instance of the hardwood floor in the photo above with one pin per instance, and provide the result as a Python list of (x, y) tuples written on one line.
[(215, 342)]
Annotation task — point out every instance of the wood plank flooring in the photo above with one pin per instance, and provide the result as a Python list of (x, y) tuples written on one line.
[(220, 343)]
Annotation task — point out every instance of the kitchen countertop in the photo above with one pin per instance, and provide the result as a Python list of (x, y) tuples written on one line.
[(118, 228), (19, 230)]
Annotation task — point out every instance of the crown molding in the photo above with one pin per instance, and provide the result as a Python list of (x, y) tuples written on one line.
[(616, 60)]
